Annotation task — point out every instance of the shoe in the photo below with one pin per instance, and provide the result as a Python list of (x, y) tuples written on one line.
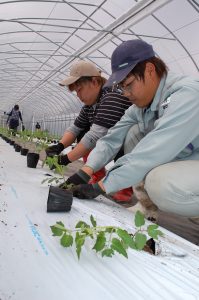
[(123, 196)]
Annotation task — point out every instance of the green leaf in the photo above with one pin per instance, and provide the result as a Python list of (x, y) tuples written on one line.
[(66, 240), (126, 238), (107, 252), (50, 161), (153, 232), (152, 227), (61, 224), (100, 242), (82, 224), (79, 240), (140, 240), (117, 246), (52, 179), (139, 219), (93, 221), (44, 180), (58, 169), (56, 231)]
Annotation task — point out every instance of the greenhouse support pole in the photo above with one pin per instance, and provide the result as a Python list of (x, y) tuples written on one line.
[(44, 124), (33, 122)]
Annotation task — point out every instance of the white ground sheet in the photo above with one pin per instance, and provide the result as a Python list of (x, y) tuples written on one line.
[(34, 266)]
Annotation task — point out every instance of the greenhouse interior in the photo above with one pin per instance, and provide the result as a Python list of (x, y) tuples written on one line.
[(99, 149)]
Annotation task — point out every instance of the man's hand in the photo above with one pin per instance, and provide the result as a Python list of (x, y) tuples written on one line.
[(76, 179), (63, 160), (54, 150), (87, 191)]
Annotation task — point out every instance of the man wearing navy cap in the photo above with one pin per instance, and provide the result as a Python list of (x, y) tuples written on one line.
[(160, 133)]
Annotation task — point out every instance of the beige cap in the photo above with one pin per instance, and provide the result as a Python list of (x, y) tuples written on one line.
[(81, 69)]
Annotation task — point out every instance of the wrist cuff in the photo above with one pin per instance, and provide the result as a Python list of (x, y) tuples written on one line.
[(84, 176), (97, 188)]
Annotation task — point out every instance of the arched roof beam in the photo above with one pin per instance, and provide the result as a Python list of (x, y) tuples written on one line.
[(133, 16)]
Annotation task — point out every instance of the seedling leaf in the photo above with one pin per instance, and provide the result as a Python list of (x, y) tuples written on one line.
[(153, 232), (107, 252), (93, 221), (139, 219), (117, 246), (79, 240), (140, 240), (66, 240), (82, 224), (100, 242), (56, 231), (126, 238)]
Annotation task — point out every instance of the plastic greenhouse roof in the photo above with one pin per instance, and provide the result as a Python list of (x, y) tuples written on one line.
[(39, 40)]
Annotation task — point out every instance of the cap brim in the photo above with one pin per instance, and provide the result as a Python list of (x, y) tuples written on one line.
[(119, 75), (68, 81)]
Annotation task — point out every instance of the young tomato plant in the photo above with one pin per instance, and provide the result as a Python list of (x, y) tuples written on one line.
[(52, 162), (106, 239)]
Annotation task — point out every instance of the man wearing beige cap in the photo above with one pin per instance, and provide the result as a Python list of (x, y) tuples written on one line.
[(102, 109)]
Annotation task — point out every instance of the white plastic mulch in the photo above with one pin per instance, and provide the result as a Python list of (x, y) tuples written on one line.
[(34, 266)]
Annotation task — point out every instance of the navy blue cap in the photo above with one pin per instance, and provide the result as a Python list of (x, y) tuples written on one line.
[(125, 57)]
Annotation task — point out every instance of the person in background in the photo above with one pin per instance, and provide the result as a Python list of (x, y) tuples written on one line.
[(38, 126), (102, 109), (160, 134), (13, 118)]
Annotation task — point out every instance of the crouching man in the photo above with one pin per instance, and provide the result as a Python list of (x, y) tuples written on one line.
[(160, 133), (101, 110)]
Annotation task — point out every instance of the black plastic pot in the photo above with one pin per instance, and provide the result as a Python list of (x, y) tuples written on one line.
[(17, 148), (59, 200), (24, 151), (32, 160)]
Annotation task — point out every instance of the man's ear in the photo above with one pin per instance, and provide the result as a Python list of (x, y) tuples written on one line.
[(150, 68), (94, 81)]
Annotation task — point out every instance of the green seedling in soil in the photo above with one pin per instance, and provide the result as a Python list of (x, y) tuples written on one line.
[(24, 138), (106, 240), (52, 162)]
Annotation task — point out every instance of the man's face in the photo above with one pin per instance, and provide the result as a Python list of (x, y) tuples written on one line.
[(141, 92), (86, 90)]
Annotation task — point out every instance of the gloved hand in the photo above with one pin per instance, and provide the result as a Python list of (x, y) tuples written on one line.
[(54, 150), (77, 178), (87, 191), (61, 160)]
